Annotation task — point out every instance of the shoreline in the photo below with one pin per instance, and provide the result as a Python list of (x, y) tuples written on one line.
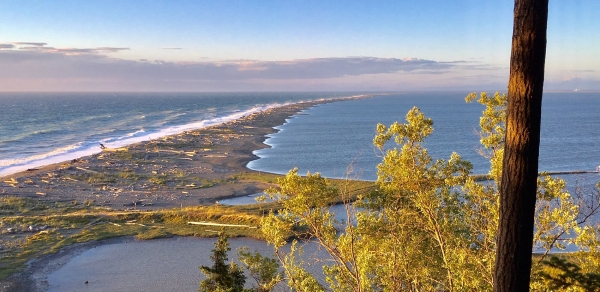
[(211, 156), (186, 169), (13, 170), (42, 160)]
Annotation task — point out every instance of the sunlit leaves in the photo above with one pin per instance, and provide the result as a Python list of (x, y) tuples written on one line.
[(429, 226)]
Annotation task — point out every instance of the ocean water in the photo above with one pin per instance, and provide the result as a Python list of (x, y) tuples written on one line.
[(42, 128), (330, 138)]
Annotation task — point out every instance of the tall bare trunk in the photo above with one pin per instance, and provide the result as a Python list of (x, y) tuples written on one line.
[(520, 165)]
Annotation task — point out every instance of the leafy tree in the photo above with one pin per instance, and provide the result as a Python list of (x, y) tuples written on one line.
[(428, 226), (559, 274), (222, 277), (409, 235), (264, 270)]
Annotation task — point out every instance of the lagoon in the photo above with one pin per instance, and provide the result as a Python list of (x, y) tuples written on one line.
[(158, 265)]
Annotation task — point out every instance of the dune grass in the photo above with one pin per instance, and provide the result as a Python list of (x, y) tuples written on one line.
[(66, 223)]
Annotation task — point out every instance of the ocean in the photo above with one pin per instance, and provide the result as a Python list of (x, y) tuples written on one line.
[(41, 128)]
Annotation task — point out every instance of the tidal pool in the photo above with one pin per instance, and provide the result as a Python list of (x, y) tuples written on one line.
[(163, 265), (155, 265)]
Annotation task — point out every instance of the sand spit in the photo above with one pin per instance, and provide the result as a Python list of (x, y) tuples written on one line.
[(186, 169)]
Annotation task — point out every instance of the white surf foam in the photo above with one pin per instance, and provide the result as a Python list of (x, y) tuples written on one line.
[(9, 166)]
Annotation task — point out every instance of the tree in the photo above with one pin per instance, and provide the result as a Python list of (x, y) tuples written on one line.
[(520, 164), (429, 225), (264, 270), (222, 277), (562, 275), (411, 234)]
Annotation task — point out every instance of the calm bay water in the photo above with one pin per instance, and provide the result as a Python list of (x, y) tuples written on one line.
[(159, 265), (330, 137)]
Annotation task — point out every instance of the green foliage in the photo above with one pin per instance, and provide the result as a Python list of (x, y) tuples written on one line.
[(158, 179), (221, 276), (559, 274), (129, 174), (153, 233), (429, 225), (493, 129), (16, 205), (264, 270), (257, 176)]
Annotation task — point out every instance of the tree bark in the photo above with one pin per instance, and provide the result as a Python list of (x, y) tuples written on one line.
[(520, 165)]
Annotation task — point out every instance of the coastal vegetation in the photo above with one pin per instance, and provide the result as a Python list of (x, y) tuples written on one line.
[(35, 228), (429, 226), (223, 277), (32, 228)]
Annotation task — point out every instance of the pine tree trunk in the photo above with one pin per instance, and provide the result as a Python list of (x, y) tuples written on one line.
[(520, 165)]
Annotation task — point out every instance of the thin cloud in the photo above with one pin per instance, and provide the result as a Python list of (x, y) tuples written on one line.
[(582, 71), (92, 62), (334, 67), (172, 48), (483, 76), (460, 62), (6, 46), (99, 50), (94, 68), (31, 44)]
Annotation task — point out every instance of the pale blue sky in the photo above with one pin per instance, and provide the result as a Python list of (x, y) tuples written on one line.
[(284, 45)]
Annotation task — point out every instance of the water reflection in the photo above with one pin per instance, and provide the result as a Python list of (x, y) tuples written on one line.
[(157, 265)]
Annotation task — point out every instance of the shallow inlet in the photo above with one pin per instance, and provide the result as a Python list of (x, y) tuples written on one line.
[(157, 265), (172, 264)]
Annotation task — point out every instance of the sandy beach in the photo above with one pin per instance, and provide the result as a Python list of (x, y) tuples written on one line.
[(196, 167), (191, 168)]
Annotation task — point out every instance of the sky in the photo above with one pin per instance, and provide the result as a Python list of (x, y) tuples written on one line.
[(252, 45)]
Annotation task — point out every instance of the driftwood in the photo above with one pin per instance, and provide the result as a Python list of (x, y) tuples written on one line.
[(221, 224), (86, 170)]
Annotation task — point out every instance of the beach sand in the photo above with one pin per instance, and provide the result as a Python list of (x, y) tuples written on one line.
[(187, 169), (192, 168)]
